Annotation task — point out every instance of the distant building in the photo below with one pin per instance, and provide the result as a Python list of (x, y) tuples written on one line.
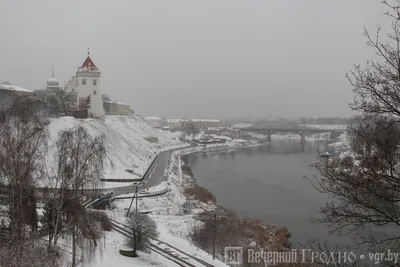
[(52, 86), (155, 122), (116, 108), (6, 88), (86, 84), (173, 123), (206, 123), (52, 95), (201, 123), (8, 92)]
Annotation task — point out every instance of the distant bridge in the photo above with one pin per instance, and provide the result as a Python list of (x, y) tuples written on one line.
[(303, 132)]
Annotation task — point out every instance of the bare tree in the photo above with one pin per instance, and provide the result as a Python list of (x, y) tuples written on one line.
[(142, 227), (80, 168), (105, 97), (365, 196), (34, 255), (59, 103), (23, 139)]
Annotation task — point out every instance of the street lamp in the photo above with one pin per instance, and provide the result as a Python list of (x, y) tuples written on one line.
[(215, 234)]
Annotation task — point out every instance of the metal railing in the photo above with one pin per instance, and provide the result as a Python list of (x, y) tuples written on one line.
[(146, 194)]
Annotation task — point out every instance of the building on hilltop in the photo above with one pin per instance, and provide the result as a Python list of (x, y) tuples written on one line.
[(57, 101), (116, 108), (9, 91), (86, 85), (52, 86), (7, 88)]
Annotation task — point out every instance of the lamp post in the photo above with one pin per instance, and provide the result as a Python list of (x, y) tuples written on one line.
[(136, 195), (215, 234)]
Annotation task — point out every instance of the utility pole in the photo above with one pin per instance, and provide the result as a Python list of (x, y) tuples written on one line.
[(215, 233), (136, 195)]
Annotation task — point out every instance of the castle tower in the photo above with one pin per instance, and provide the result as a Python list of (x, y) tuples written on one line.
[(88, 77), (87, 86)]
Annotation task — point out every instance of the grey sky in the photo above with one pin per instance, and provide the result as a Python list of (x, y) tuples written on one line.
[(208, 58)]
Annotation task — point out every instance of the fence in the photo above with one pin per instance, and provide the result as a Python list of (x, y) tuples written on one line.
[(101, 199), (146, 194)]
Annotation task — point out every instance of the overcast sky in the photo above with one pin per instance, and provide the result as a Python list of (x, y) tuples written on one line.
[(204, 58)]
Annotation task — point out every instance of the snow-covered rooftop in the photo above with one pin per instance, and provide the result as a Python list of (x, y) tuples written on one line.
[(116, 102), (10, 87)]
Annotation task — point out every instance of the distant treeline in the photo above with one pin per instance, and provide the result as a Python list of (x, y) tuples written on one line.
[(332, 120)]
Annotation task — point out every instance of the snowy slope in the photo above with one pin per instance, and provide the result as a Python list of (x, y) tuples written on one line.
[(125, 143)]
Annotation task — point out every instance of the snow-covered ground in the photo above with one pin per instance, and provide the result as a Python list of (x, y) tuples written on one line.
[(126, 145), (342, 146), (230, 145)]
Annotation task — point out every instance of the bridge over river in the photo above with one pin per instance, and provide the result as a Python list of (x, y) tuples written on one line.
[(302, 131)]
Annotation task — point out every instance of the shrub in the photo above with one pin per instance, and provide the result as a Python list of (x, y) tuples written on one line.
[(200, 193), (185, 159), (187, 170), (347, 161)]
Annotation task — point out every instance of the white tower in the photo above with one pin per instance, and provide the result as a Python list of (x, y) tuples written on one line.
[(87, 81)]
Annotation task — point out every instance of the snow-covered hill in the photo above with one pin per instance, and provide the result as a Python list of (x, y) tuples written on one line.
[(126, 145)]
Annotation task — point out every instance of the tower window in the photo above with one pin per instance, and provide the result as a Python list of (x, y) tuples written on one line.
[(94, 92), (83, 81), (94, 82)]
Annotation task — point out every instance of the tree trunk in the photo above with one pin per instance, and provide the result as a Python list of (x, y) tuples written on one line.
[(74, 247), (50, 238)]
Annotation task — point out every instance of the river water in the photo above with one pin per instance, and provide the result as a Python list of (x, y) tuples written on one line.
[(268, 184)]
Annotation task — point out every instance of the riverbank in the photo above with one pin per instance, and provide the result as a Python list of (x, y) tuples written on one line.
[(217, 227)]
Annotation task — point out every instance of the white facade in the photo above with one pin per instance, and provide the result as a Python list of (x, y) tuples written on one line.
[(206, 123), (155, 122), (174, 123), (202, 123), (86, 83)]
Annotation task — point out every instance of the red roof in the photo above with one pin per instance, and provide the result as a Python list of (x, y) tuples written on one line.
[(88, 64)]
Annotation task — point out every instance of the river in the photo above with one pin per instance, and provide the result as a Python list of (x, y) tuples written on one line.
[(268, 184)]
